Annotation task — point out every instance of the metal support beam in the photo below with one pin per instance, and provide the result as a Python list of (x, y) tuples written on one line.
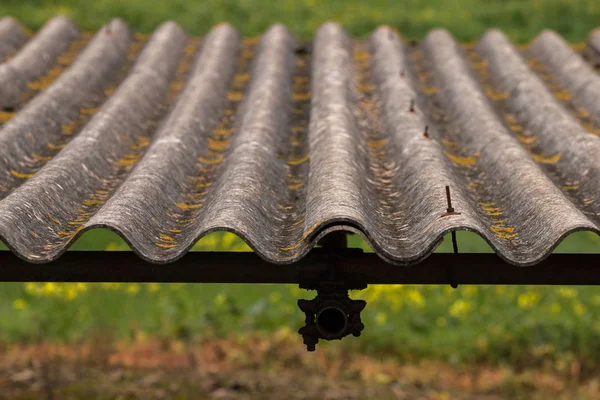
[(353, 264)]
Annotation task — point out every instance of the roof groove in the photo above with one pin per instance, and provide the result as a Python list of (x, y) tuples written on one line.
[(95, 163), (32, 68), (522, 205), (251, 169), (204, 180), (169, 138), (186, 64), (382, 188), (418, 168), (574, 74), (386, 206), (563, 148), (62, 110), (296, 152), (149, 202), (449, 94)]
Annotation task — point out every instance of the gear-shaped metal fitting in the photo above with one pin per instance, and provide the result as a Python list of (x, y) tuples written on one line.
[(331, 315)]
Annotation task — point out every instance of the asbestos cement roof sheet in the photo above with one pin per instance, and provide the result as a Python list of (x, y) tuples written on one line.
[(164, 138)]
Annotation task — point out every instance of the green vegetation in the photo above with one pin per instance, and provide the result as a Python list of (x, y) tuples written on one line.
[(519, 324), (529, 326), (526, 326), (467, 19)]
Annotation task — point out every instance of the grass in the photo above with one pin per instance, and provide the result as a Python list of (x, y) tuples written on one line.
[(527, 326), (466, 19), (522, 325)]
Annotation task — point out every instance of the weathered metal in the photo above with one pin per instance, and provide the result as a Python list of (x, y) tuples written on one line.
[(352, 265), (332, 315)]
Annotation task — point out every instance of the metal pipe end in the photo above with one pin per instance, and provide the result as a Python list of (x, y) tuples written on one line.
[(332, 322)]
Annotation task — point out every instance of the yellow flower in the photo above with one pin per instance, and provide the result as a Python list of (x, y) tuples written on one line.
[(528, 300), (449, 289), (49, 288), (111, 285), (578, 308), (284, 332), (275, 297), (140, 335), (414, 296), (228, 240), (383, 378), (220, 299), (81, 286), (460, 308), (377, 292), (132, 288), (117, 246), (153, 287), (65, 291), (71, 293), (36, 289), (396, 301), (555, 308), (381, 318), (567, 293), (19, 304)]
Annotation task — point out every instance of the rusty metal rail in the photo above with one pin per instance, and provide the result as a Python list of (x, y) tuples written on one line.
[(350, 265)]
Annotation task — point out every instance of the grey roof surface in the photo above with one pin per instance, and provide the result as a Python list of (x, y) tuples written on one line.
[(164, 138)]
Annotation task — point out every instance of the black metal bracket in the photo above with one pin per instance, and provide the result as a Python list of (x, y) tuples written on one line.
[(331, 315)]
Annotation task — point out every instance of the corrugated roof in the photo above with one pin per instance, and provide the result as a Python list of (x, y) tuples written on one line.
[(166, 138)]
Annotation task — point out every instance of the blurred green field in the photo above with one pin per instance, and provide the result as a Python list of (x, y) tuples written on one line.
[(466, 19), (524, 325)]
